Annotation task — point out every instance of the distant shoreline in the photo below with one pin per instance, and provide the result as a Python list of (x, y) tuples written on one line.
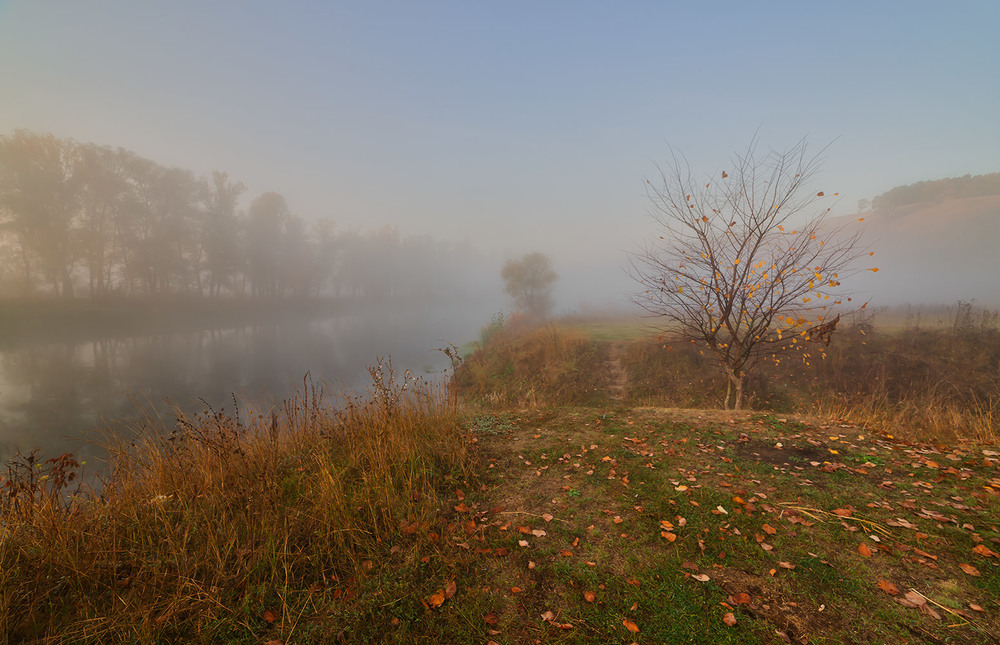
[(45, 320)]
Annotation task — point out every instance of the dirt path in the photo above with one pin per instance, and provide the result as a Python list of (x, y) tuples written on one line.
[(617, 378)]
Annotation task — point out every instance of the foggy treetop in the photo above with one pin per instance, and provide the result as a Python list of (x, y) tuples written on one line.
[(85, 219)]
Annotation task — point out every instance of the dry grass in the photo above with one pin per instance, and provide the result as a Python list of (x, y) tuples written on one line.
[(531, 366), (195, 533)]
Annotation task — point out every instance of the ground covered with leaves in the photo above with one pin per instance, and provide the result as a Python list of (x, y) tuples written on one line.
[(652, 525)]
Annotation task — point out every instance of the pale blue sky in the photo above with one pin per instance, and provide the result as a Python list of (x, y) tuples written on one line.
[(520, 125)]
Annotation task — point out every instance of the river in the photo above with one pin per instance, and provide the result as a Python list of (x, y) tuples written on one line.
[(66, 396)]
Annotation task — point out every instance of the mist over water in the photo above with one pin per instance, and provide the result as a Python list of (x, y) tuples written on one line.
[(56, 396)]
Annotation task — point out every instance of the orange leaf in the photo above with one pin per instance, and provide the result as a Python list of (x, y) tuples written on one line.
[(515, 590), (888, 587), (729, 618), (819, 194), (270, 616), (770, 530), (969, 569), (670, 537), (984, 551), (631, 626), (436, 599), (491, 618), (742, 598), (566, 553), (864, 550), (724, 175), (450, 589), (589, 596)]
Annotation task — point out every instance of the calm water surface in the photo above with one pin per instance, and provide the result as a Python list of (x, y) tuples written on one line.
[(58, 396)]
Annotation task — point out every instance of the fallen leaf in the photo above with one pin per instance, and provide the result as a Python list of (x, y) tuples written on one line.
[(589, 596), (270, 616), (915, 598), (864, 550), (631, 626), (786, 565), (538, 533), (515, 590), (969, 569), (843, 512), (547, 517), (984, 551), (670, 537), (491, 618), (888, 587), (548, 615), (729, 618), (436, 599), (701, 577), (450, 589), (769, 529), (566, 553), (742, 598)]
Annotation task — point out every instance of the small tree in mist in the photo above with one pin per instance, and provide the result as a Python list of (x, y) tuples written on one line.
[(528, 281), (744, 263)]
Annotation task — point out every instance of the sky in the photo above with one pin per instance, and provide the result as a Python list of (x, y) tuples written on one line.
[(515, 126)]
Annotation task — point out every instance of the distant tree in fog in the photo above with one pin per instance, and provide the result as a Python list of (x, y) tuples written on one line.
[(528, 281), (38, 201), (221, 234), (740, 266)]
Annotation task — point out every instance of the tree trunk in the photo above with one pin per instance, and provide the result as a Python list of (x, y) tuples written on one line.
[(734, 390)]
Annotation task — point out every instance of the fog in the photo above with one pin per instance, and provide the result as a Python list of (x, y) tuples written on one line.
[(380, 162)]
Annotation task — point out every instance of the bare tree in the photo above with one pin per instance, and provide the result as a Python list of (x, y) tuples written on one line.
[(744, 263)]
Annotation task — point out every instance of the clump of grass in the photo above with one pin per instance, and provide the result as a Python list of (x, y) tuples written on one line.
[(228, 523), (522, 365)]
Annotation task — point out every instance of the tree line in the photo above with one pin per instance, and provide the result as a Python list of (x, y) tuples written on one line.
[(939, 190), (81, 219)]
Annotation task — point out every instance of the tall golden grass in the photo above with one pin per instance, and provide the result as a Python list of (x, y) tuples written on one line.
[(525, 365), (195, 532)]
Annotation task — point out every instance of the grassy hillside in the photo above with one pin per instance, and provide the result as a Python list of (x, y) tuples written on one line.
[(559, 501)]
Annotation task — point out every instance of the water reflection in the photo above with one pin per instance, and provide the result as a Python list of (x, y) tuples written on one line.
[(57, 396)]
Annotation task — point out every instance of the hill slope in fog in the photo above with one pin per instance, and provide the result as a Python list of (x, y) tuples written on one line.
[(935, 251)]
